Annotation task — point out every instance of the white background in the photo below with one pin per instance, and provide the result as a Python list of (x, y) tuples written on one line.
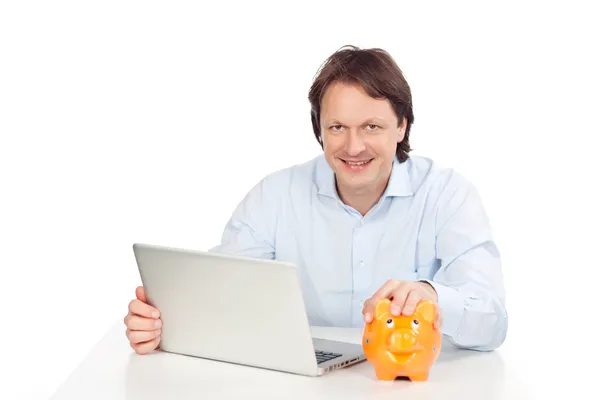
[(148, 121)]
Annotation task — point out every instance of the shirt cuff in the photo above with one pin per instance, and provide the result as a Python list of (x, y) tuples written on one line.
[(451, 306)]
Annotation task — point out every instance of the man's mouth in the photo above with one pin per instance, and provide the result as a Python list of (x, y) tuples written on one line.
[(357, 163)]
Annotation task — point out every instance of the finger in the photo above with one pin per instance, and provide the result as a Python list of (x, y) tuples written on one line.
[(140, 294), (383, 293), (400, 295), (137, 323), (146, 347), (368, 312), (410, 305), (136, 337), (437, 324), (138, 307)]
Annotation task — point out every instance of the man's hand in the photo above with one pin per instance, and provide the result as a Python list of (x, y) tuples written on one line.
[(144, 325), (404, 295)]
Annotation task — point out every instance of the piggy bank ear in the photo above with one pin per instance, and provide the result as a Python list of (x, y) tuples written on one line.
[(427, 310), (382, 307)]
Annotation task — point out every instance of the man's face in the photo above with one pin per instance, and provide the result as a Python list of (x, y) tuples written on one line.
[(360, 135)]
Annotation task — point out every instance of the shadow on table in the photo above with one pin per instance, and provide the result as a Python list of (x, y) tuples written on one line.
[(458, 373), (163, 375)]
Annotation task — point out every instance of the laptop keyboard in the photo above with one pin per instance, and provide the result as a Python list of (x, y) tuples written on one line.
[(323, 356)]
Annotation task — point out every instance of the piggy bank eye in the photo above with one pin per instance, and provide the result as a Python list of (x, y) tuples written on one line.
[(415, 323), (390, 323)]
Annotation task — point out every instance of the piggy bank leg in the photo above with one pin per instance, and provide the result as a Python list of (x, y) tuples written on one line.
[(384, 375), (419, 377)]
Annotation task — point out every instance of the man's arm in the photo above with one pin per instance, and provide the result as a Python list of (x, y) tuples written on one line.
[(250, 231), (469, 282)]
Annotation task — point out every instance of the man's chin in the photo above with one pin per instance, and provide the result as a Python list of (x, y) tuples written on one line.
[(355, 181)]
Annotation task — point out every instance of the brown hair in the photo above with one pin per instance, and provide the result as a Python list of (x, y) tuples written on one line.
[(378, 74)]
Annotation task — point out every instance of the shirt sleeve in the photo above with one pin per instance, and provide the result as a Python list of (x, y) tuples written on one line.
[(250, 231), (469, 282)]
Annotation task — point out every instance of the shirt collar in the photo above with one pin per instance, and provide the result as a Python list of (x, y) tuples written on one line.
[(398, 185)]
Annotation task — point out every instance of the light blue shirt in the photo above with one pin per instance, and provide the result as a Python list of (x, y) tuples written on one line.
[(428, 225)]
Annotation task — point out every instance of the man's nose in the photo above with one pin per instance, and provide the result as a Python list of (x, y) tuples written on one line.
[(354, 144)]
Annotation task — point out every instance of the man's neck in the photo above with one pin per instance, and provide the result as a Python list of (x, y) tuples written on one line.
[(362, 200)]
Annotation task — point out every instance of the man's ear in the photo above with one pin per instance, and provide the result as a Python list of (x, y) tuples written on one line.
[(401, 130), (427, 310), (382, 307)]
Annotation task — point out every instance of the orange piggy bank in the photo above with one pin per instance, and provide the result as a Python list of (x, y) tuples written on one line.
[(402, 346)]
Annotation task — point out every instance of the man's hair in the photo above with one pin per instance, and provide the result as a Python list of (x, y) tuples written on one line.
[(377, 73)]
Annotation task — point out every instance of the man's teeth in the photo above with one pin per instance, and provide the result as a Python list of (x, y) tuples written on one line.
[(357, 163)]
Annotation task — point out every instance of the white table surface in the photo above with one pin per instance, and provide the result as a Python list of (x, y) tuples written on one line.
[(112, 370)]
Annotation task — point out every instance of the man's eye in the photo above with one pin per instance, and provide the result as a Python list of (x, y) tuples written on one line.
[(372, 127), (336, 127)]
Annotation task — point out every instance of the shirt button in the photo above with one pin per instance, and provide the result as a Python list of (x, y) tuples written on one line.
[(362, 264)]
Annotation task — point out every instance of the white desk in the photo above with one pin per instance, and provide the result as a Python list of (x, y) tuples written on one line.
[(114, 371)]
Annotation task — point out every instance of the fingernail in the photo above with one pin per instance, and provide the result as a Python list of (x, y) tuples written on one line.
[(395, 310), (368, 317), (158, 323), (155, 314)]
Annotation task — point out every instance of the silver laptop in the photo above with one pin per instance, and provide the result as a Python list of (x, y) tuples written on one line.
[(236, 309)]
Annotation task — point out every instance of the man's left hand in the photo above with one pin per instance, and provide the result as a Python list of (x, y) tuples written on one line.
[(404, 295)]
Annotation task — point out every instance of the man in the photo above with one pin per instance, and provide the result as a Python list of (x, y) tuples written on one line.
[(366, 221)]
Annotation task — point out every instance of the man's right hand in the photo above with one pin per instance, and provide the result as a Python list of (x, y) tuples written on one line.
[(143, 324)]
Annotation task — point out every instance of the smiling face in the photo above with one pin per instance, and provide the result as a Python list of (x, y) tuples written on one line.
[(360, 135)]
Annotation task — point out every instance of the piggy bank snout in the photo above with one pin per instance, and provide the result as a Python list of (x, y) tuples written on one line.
[(403, 340)]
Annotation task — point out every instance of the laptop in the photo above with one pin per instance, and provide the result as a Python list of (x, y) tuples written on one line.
[(236, 309)]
